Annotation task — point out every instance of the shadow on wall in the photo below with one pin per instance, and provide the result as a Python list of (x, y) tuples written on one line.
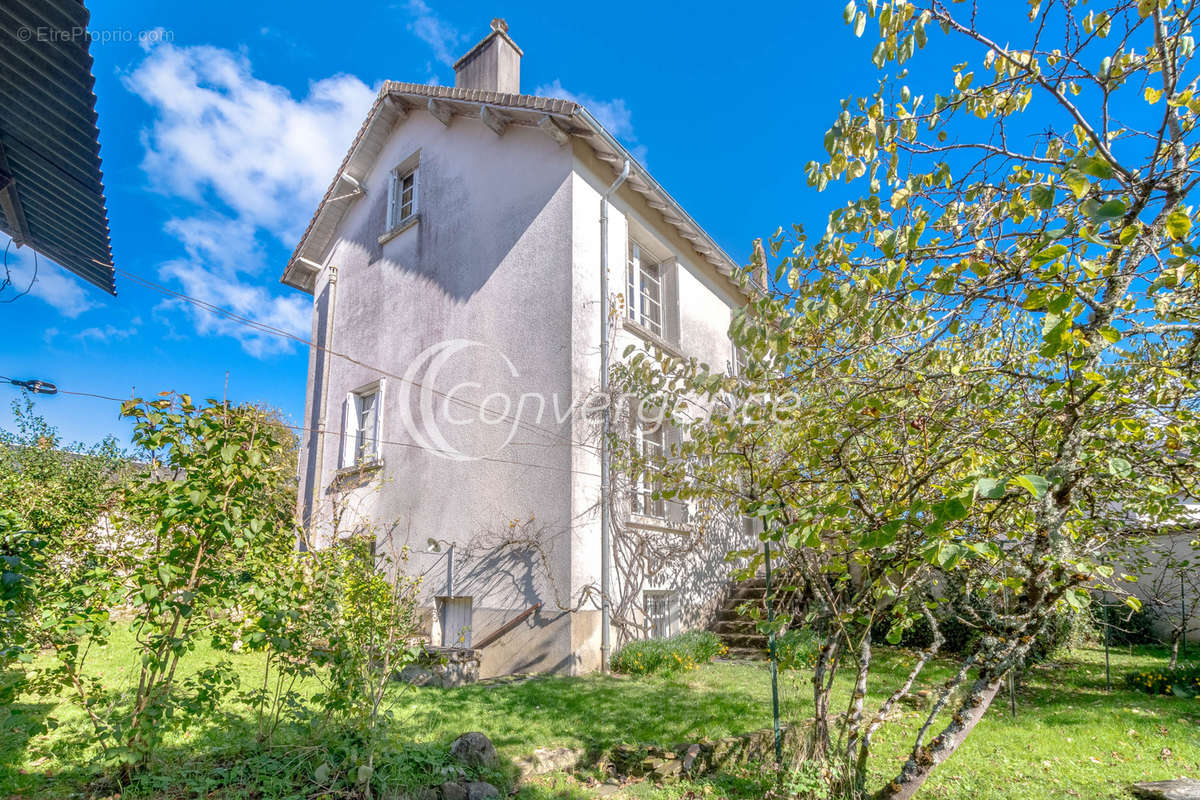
[(461, 258)]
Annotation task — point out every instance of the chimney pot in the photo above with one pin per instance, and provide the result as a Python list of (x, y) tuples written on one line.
[(493, 65)]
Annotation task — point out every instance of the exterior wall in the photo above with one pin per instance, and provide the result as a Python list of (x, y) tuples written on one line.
[(706, 303), (504, 262), (1157, 585), (487, 262)]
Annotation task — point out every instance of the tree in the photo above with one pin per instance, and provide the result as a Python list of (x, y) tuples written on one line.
[(984, 365)]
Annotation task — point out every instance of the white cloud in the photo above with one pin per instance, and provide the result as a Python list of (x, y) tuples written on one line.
[(613, 114), (108, 333), (442, 37), (68, 294), (219, 250), (266, 157), (222, 132)]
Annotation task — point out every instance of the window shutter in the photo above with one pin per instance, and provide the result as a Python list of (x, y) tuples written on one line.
[(416, 197), (393, 199), (378, 432), (669, 274), (349, 431)]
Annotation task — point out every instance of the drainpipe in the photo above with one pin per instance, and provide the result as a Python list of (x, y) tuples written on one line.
[(605, 535), (318, 475)]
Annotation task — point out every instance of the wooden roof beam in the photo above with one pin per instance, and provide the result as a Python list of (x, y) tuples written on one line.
[(441, 111), (553, 130), (495, 120)]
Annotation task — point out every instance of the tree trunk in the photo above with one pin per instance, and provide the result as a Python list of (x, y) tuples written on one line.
[(1176, 637), (921, 764)]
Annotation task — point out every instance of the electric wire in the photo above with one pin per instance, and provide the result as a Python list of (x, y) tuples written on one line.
[(8, 275), (273, 331), (412, 445)]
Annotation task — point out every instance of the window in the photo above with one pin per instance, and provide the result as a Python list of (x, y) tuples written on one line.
[(738, 365), (402, 196), (648, 441), (644, 291), (660, 616), (362, 426)]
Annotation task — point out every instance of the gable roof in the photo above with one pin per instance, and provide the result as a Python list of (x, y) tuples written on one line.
[(560, 119), (51, 189)]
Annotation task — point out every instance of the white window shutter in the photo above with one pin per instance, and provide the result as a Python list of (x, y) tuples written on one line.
[(349, 429), (378, 438), (416, 176), (393, 199)]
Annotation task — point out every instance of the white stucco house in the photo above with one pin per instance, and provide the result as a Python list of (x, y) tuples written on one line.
[(455, 269)]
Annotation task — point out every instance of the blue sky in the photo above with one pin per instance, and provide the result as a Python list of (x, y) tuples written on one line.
[(218, 141)]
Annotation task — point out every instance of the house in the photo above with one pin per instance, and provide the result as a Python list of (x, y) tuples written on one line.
[(453, 388), (51, 189)]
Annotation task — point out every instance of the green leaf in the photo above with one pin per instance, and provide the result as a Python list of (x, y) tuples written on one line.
[(1097, 167), (848, 11), (1046, 256), (1036, 485), (990, 488), (1104, 212), (1120, 467), (1042, 195), (1178, 224), (1077, 182)]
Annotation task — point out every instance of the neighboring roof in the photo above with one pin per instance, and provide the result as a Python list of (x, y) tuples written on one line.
[(51, 194), (559, 118)]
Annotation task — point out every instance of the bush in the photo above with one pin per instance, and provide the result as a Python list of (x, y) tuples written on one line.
[(679, 653), (797, 649), (1183, 681), (1062, 629)]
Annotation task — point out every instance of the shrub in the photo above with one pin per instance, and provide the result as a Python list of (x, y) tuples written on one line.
[(679, 653), (1183, 681), (796, 649)]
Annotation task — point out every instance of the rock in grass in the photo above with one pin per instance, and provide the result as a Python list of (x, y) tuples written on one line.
[(452, 790), (1183, 789), (475, 750), (481, 790)]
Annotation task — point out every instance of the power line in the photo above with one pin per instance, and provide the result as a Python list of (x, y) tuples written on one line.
[(413, 445), (273, 331)]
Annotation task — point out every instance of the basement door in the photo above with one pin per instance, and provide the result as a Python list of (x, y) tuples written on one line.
[(454, 614)]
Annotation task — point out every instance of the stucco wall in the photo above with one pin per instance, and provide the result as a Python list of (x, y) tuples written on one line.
[(488, 262), (505, 261)]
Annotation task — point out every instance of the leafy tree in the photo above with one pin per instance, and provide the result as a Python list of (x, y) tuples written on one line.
[(985, 365)]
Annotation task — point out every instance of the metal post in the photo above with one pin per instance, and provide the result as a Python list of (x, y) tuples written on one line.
[(1183, 621), (605, 534), (771, 652), (450, 571), (1107, 632)]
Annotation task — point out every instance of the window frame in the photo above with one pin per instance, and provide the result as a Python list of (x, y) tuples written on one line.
[(643, 503), (641, 274), (409, 168), (360, 448), (667, 618)]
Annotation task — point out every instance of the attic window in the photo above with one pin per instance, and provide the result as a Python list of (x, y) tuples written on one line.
[(402, 194)]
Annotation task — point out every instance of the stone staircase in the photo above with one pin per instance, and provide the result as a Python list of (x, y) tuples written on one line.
[(737, 631)]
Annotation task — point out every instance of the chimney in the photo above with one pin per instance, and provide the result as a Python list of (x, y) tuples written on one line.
[(493, 65)]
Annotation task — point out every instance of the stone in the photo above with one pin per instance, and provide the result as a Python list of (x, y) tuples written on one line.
[(549, 759), (1182, 789), (418, 676), (454, 791), (475, 750), (481, 790)]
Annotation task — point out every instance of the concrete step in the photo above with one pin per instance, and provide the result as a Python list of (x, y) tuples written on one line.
[(751, 653), (735, 625), (741, 640)]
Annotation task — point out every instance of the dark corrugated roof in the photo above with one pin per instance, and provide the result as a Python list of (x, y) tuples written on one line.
[(48, 136)]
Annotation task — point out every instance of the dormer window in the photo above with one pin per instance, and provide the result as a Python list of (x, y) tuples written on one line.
[(645, 298)]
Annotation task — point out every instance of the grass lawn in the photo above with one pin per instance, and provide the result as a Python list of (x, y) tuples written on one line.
[(1070, 737)]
